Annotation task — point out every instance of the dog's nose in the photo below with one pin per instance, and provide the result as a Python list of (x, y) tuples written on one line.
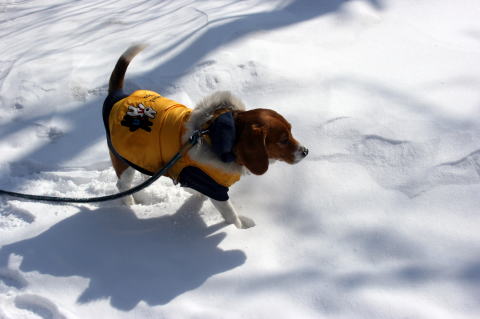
[(304, 151)]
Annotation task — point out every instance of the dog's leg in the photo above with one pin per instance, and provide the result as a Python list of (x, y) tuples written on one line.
[(230, 215), (125, 176), (125, 183), (195, 193)]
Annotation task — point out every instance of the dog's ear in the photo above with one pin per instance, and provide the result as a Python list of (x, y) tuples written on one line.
[(251, 150)]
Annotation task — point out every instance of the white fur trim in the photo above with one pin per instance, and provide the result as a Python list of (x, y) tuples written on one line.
[(201, 114)]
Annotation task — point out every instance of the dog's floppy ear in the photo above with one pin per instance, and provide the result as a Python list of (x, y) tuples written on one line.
[(251, 150)]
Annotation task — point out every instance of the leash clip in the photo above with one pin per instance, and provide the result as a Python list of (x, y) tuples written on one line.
[(196, 135)]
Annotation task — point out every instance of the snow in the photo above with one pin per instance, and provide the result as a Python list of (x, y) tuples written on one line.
[(380, 221)]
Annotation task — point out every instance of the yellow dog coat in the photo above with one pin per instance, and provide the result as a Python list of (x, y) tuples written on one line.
[(146, 130)]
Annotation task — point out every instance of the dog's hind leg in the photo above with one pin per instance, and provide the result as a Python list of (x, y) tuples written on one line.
[(230, 215), (125, 183), (125, 176)]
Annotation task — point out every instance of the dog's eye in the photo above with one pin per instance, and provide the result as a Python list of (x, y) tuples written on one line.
[(284, 141)]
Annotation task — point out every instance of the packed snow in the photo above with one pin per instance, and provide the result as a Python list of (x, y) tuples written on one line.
[(381, 220)]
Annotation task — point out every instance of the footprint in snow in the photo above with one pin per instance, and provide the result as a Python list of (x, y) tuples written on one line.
[(377, 151), (12, 278), (463, 171), (40, 306), (394, 164), (212, 75), (13, 217), (52, 133)]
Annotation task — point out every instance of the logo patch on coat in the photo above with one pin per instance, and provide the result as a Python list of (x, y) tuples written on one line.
[(138, 117)]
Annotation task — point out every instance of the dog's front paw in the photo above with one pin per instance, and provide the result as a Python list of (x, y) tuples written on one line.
[(128, 200), (244, 222)]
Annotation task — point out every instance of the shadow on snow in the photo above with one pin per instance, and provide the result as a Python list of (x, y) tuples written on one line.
[(128, 259)]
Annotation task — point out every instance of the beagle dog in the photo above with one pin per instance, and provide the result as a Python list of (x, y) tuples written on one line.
[(145, 130)]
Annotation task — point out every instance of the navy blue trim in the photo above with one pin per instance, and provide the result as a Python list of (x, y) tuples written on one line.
[(222, 133), (108, 104), (197, 179)]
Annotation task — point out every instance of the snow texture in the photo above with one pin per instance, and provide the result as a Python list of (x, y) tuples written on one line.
[(380, 221)]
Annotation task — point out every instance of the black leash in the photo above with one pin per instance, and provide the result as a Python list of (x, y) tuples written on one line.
[(187, 146)]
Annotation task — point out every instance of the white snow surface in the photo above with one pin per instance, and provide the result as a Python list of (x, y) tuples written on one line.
[(381, 220)]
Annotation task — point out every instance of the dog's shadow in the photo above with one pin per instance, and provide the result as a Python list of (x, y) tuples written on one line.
[(128, 259)]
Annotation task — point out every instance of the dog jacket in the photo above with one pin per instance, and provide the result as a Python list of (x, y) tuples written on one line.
[(145, 129)]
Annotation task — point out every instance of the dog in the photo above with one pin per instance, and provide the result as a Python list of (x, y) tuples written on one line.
[(145, 130)]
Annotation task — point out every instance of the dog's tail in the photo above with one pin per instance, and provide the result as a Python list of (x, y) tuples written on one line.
[(118, 73)]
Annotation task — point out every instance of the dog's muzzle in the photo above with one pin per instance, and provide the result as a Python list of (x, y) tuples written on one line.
[(304, 151), (301, 153)]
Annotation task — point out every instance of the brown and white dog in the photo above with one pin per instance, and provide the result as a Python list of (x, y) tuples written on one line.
[(260, 136)]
